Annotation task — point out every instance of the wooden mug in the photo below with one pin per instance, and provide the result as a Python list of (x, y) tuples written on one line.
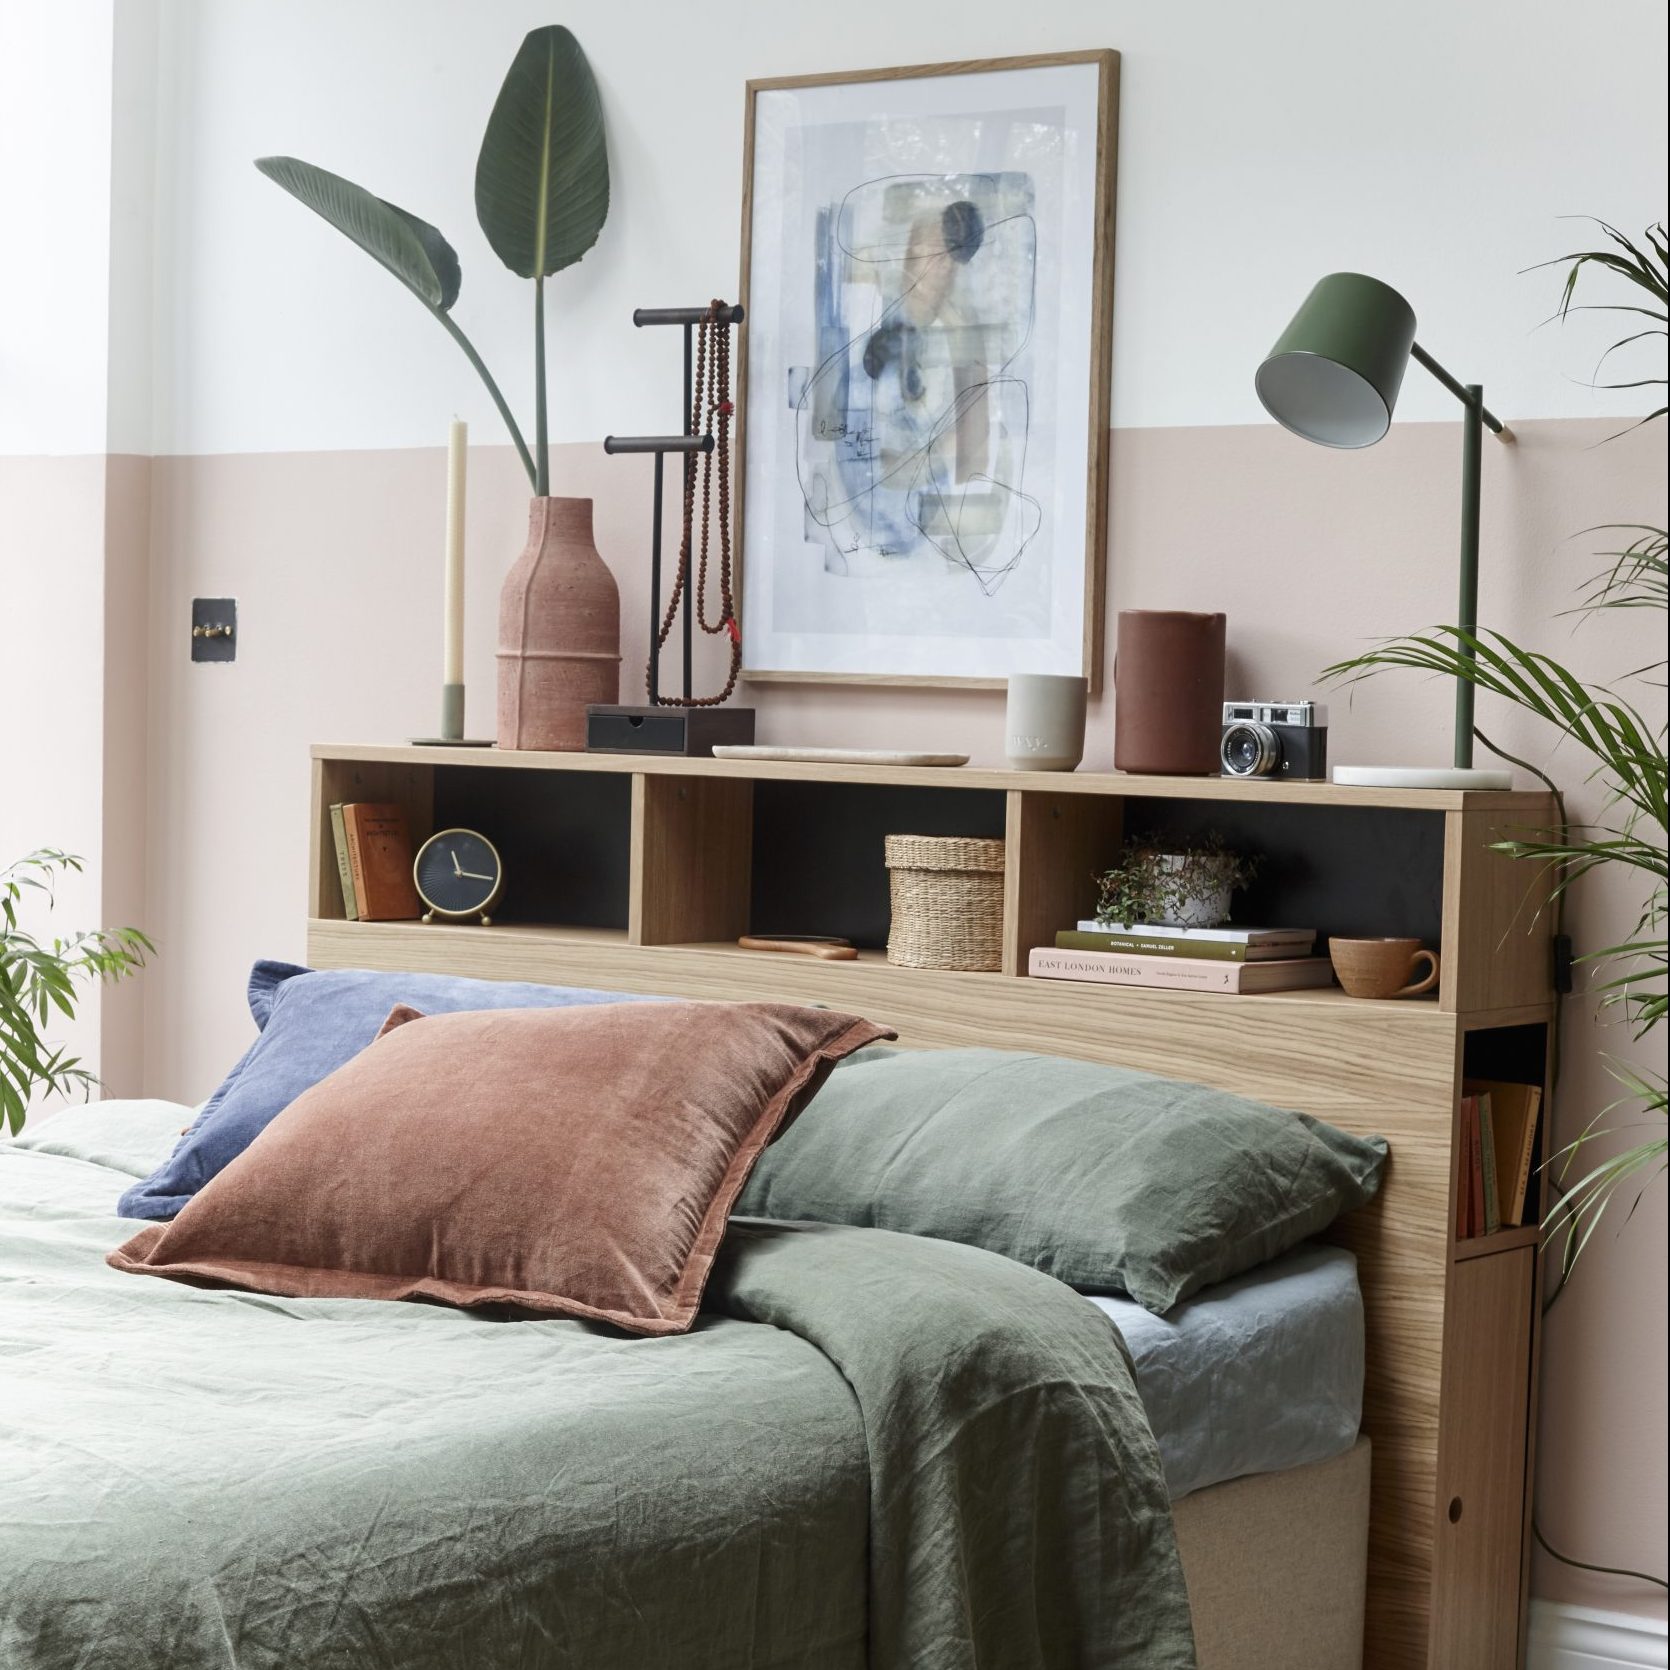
[(1382, 967)]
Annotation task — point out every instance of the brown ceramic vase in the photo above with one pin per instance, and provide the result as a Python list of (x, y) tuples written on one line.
[(559, 631)]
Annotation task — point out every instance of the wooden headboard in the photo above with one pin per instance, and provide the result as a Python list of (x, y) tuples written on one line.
[(639, 874)]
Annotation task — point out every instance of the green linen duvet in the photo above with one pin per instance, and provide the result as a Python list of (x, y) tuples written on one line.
[(872, 1449)]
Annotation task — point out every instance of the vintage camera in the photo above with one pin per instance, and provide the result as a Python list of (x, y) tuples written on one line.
[(1275, 739)]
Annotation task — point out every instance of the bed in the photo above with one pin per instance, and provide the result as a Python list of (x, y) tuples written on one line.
[(195, 1478)]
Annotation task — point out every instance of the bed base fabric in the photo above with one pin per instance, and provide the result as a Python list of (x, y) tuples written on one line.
[(1277, 1566)]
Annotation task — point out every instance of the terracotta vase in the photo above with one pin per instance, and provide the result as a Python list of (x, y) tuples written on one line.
[(559, 631)]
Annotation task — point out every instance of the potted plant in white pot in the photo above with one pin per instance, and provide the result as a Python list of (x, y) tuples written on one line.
[(541, 195), (1180, 886)]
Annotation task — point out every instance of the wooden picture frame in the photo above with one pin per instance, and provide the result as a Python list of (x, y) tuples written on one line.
[(1075, 614)]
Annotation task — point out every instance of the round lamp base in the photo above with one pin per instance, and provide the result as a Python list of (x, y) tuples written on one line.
[(1420, 777)]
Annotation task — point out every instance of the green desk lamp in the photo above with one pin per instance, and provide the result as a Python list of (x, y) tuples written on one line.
[(1333, 377)]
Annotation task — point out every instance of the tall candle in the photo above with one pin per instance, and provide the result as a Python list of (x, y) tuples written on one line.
[(453, 655)]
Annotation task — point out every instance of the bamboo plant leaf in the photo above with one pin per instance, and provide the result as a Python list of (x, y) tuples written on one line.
[(411, 249), (542, 179)]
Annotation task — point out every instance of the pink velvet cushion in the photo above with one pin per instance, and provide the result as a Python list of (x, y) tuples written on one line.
[(573, 1162)]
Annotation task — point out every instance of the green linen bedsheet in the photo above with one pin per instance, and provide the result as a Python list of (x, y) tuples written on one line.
[(872, 1449)]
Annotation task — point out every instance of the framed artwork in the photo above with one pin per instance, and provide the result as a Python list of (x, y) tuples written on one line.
[(927, 268)]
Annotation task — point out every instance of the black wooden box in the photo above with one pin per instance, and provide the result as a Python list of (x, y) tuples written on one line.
[(665, 730)]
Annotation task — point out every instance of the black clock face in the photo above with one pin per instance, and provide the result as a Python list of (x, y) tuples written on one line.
[(458, 872)]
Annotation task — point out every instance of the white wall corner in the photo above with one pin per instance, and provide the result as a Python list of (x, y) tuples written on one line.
[(1566, 1637)]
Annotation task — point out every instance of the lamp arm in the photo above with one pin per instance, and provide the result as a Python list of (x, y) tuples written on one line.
[(1462, 392)]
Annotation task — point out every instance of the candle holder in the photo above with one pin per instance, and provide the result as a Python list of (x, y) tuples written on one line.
[(452, 724)]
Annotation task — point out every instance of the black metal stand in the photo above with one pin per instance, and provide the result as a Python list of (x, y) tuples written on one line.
[(668, 728)]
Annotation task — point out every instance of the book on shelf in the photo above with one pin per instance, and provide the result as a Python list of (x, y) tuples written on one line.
[(344, 871), (1299, 940), (1487, 1164), (1514, 1109), (1201, 974), (380, 861), (1466, 1125), (1161, 942), (1474, 1209)]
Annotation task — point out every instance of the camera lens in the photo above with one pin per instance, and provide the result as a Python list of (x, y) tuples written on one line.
[(1249, 750)]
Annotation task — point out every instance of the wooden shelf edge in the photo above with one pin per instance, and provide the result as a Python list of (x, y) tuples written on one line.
[(1503, 1241), (1115, 783), (871, 965)]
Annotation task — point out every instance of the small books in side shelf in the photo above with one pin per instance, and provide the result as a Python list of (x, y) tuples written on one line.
[(1155, 939), (374, 862), (1514, 1110), (1201, 974)]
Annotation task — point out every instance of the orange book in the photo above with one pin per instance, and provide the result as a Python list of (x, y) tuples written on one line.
[(380, 860), (1475, 1169), (1464, 1171)]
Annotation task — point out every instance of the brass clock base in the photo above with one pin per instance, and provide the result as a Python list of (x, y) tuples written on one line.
[(484, 919)]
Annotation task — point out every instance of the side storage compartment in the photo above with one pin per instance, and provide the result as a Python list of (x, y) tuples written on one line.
[(1478, 1538)]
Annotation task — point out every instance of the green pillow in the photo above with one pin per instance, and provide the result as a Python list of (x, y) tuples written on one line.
[(1109, 1180)]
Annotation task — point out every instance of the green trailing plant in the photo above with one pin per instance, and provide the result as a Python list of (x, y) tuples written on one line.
[(541, 196), (1159, 880), (1627, 760), (37, 980)]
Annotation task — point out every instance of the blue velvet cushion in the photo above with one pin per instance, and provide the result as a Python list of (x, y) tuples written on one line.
[(312, 1022)]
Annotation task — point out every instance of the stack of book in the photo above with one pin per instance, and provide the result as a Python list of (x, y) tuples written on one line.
[(1497, 1140), (1190, 959), (374, 862)]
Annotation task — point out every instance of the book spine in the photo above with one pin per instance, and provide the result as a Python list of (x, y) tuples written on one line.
[(1475, 1171), (1527, 1147), (356, 858), (339, 839), (1463, 1173), (1301, 938), (1487, 1165), (1135, 945), (1111, 970)]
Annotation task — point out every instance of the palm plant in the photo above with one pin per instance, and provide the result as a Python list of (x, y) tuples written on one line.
[(541, 196), (36, 979), (1628, 755)]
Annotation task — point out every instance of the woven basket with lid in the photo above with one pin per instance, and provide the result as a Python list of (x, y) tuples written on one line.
[(947, 901)]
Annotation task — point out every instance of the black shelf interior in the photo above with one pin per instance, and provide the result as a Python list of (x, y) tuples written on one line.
[(819, 864), (564, 837), (1357, 872), (1515, 1055)]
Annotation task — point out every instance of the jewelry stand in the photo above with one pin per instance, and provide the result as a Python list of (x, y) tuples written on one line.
[(670, 724)]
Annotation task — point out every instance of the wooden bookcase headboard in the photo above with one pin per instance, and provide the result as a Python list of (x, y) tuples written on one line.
[(639, 874)]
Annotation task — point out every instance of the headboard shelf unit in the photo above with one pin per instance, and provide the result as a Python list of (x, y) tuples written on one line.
[(635, 874)]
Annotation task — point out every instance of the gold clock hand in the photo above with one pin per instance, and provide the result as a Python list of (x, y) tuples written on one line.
[(471, 875), (457, 868)]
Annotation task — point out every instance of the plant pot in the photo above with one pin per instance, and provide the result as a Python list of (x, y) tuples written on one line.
[(1203, 905), (559, 631)]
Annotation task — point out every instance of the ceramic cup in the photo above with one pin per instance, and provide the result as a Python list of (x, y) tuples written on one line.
[(1382, 967), (1043, 724)]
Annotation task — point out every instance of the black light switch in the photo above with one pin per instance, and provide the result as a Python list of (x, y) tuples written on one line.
[(214, 629)]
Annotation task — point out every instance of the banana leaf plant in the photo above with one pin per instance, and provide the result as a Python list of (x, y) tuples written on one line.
[(541, 193), (1627, 751)]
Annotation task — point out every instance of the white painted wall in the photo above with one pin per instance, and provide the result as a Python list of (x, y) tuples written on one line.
[(1430, 143), (55, 122)]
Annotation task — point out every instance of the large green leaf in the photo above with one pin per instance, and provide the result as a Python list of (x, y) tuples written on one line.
[(542, 179), (410, 248)]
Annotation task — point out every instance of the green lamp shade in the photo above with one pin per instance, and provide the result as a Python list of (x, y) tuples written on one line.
[(1334, 374)]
